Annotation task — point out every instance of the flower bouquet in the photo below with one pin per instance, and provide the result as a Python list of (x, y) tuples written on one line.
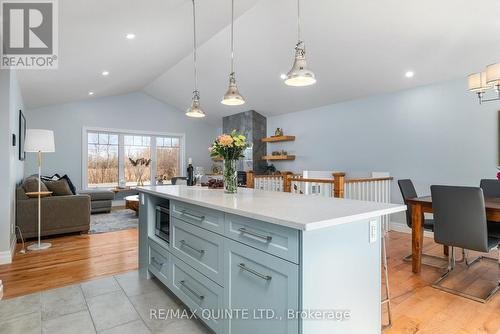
[(230, 147)]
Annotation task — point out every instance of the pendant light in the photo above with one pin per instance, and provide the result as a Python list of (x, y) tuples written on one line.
[(299, 75), (232, 96), (195, 109)]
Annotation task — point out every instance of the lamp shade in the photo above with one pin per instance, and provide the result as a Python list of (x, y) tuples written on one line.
[(493, 74), (38, 140), (477, 82)]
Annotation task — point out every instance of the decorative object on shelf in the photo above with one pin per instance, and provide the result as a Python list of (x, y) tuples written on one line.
[(230, 147), (22, 135), (300, 75), (140, 166), (280, 152), (39, 141), (278, 132), (195, 109), (232, 96), (481, 82)]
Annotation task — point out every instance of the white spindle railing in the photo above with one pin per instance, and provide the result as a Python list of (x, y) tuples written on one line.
[(315, 187), (370, 189), (269, 182)]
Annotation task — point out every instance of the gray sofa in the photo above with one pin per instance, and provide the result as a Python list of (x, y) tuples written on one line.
[(60, 214)]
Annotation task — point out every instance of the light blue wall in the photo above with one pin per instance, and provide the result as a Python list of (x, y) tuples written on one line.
[(11, 168), (134, 111), (436, 134)]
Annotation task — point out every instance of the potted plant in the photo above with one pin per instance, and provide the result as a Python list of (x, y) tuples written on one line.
[(230, 147)]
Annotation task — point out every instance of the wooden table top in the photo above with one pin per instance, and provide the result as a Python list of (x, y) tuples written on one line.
[(491, 203)]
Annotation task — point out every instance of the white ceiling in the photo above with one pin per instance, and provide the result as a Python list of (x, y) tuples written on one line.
[(356, 48)]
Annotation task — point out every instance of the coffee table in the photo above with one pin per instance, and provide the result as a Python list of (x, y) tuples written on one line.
[(132, 203)]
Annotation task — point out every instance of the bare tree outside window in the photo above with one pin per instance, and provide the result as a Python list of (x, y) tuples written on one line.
[(102, 159), (137, 147), (167, 158)]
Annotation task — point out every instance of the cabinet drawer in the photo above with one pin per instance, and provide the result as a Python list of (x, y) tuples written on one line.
[(202, 249), (257, 281), (159, 262), (198, 293), (209, 219), (274, 239)]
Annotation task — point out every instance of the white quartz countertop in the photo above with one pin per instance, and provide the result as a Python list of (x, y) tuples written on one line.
[(302, 212)]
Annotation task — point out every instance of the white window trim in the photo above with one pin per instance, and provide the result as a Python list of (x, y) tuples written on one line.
[(153, 134)]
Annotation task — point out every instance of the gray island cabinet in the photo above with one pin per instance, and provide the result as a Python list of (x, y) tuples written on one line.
[(266, 262)]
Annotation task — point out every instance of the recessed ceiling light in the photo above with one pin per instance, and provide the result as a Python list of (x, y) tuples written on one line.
[(283, 76), (105, 73), (130, 36), (91, 93), (409, 74)]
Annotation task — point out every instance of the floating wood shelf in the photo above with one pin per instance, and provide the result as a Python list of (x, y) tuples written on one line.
[(277, 139), (278, 157)]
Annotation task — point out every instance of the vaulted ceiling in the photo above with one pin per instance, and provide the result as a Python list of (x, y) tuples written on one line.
[(356, 48)]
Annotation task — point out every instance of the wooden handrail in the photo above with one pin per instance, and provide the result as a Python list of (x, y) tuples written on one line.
[(369, 179)]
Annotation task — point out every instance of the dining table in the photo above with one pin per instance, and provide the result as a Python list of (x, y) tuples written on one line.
[(421, 205)]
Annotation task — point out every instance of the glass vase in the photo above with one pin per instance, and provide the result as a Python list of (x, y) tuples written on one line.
[(230, 177)]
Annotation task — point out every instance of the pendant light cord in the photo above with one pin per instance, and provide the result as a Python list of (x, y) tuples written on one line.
[(232, 37), (194, 50), (298, 21)]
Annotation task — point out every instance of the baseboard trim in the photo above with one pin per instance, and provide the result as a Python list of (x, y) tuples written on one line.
[(6, 256), (400, 227)]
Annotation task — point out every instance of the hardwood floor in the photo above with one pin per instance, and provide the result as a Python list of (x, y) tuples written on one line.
[(417, 307), (71, 259)]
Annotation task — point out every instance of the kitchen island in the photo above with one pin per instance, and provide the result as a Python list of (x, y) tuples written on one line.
[(266, 262)]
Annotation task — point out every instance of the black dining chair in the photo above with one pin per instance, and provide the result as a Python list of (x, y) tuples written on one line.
[(460, 221), (408, 191), (179, 180), (491, 188)]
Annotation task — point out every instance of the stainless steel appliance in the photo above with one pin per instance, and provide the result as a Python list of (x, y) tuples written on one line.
[(162, 228)]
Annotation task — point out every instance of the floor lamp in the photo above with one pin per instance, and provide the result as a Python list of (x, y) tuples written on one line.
[(39, 141)]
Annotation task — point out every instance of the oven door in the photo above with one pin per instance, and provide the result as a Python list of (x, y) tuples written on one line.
[(162, 229)]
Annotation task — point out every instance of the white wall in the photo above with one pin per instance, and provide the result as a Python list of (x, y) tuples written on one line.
[(135, 111), (436, 134), (11, 168)]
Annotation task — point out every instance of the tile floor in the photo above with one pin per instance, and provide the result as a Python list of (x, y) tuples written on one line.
[(117, 304)]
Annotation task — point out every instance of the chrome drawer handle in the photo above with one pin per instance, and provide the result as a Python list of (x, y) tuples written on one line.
[(154, 260), (183, 283), (267, 238), (200, 218), (184, 243), (256, 273)]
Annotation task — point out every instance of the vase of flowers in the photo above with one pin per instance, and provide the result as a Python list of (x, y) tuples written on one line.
[(230, 147)]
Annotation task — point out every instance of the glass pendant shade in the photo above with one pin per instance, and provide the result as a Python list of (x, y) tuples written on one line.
[(493, 74), (477, 82), (232, 96), (300, 75), (195, 109)]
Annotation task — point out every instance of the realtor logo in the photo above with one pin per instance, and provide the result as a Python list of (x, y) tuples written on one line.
[(29, 34)]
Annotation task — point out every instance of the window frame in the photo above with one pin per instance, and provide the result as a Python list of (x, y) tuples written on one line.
[(121, 150)]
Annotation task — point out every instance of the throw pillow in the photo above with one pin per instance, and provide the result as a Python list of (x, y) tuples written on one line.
[(59, 188), (70, 184), (30, 184)]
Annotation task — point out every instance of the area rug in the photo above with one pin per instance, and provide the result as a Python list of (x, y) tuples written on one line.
[(116, 220)]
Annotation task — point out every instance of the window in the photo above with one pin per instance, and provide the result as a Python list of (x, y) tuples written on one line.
[(102, 159), (137, 160), (167, 158), (134, 158)]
